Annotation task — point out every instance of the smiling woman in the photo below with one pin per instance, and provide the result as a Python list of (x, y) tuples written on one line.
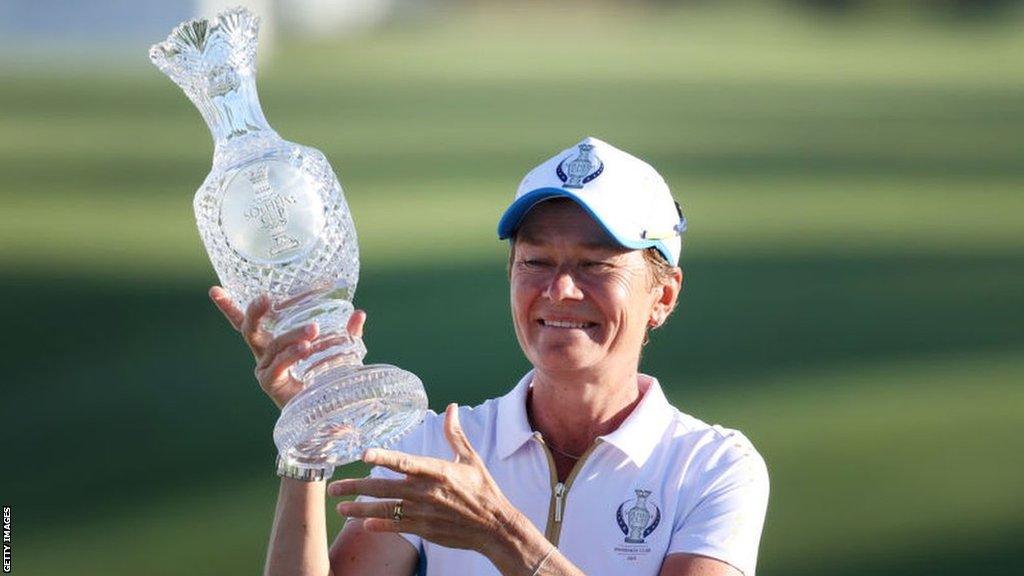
[(583, 467), (581, 303)]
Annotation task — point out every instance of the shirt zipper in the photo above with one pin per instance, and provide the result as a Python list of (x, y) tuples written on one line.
[(559, 490), (559, 497)]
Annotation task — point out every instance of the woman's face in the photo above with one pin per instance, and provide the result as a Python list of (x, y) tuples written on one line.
[(580, 302)]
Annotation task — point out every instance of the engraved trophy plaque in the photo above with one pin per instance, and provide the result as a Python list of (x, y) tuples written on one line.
[(274, 221)]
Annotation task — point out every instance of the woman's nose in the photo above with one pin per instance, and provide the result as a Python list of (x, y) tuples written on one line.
[(563, 287)]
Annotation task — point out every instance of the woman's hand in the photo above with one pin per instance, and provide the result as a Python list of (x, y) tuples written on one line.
[(452, 503), (275, 356)]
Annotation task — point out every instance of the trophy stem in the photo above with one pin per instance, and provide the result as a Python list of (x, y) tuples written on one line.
[(334, 345), (345, 407), (234, 113)]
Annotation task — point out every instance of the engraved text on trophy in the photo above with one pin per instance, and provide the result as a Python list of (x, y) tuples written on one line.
[(270, 213), (270, 210)]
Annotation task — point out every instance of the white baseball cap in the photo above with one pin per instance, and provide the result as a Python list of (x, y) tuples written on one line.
[(624, 194)]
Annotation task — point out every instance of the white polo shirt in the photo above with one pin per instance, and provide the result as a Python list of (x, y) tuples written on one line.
[(664, 482)]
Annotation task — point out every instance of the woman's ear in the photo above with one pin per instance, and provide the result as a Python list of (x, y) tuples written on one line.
[(667, 291)]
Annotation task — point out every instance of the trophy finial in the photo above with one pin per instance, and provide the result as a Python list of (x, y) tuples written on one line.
[(198, 51)]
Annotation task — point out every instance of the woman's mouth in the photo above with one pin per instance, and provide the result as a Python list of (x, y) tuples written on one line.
[(567, 324)]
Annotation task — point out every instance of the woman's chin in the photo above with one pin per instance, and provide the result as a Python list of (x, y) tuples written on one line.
[(564, 359)]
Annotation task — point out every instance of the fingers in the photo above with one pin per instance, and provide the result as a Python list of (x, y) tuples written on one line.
[(376, 487), (378, 525), (251, 330), (283, 361), (222, 300), (378, 509), (288, 339), (457, 439), (356, 322), (406, 463), (380, 516), (249, 322)]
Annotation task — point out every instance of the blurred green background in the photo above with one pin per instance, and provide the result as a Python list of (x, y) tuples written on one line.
[(854, 266)]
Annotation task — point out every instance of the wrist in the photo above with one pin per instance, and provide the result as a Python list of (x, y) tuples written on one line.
[(516, 546)]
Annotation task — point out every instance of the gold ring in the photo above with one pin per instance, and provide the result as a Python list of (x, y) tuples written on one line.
[(397, 514)]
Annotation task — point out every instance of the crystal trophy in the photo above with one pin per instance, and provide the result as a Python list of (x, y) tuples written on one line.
[(274, 221)]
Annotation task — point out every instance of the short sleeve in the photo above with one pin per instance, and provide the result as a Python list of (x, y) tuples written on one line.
[(731, 501), (415, 442)]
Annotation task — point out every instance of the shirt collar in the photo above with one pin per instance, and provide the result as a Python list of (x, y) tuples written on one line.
[(642, 430), (636, 437), (513, 425)]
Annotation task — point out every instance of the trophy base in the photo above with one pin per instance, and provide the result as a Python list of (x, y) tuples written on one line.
[(346, 409)]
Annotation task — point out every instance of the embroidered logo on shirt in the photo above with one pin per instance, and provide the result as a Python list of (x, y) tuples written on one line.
[(636, 519)]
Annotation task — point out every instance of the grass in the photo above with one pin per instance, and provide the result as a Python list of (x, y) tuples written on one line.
[(855, 265)]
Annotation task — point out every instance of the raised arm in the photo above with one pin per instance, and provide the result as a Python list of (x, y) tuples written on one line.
[(298, 538)]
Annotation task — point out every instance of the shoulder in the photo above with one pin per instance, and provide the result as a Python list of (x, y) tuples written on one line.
[(713, 452), (723, 493)]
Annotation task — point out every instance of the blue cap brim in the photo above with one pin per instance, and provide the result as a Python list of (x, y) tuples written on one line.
[(515, 213)]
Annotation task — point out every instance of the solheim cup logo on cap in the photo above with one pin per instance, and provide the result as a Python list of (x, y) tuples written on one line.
[(582, 169), (637, 521)]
